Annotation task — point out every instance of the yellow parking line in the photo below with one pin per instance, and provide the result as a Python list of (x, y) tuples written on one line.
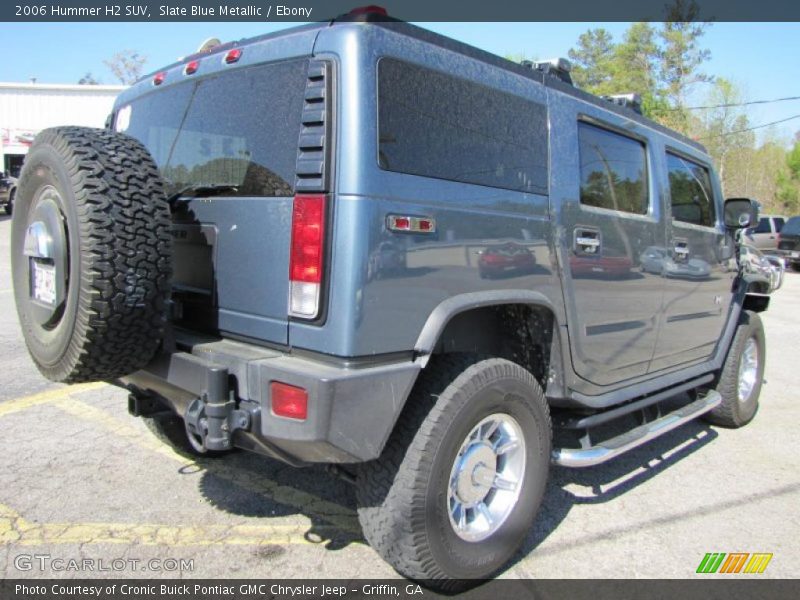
[(18, 530), (17, 404), (343, 517)]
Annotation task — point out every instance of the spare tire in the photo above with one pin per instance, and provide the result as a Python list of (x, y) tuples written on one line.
[(91, 254)]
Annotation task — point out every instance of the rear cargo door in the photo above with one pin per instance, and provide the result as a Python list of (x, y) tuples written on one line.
[(229, 149)]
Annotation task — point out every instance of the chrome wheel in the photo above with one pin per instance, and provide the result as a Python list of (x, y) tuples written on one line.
[(486, 477), (748, 370)]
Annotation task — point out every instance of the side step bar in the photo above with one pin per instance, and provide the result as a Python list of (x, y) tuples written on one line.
[(604, 451)]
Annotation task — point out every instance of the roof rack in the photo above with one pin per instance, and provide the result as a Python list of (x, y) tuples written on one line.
[(557, 67), (632, 101)]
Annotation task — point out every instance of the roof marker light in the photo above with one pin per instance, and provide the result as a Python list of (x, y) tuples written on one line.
[(372, 9), (159, 78), (233, 55), (191, 67)]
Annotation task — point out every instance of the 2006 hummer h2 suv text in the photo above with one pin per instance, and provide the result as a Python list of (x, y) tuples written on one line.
[(363, 244)]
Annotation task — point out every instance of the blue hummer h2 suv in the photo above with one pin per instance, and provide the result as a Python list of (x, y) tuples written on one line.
[(363, 244)]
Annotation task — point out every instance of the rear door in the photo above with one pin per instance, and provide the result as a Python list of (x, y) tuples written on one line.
[(698, 285), (609, 217), (227, 147)]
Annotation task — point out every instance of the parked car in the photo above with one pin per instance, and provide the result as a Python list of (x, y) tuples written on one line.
[(226, 281), (764, 236), (505, 259), (789, 243), (8, 190)]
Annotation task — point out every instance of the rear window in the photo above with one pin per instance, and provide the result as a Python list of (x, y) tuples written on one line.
[(613, 170), (435, 125), (690, 191), (239, 128), (792, 226)]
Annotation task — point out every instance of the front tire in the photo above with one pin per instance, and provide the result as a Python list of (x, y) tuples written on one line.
[(461, 478), (740, 380)]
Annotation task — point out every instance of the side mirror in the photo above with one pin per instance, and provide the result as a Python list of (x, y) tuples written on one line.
[(740, 213)]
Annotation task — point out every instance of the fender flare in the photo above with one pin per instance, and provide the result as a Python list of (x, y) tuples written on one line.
[(444, 312)]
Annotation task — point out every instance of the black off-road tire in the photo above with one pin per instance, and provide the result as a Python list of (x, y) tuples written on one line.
[(732, 412), (402, 496), (108, 194)]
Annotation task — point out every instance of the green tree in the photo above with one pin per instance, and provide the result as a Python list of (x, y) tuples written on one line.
[(788, 192), (681, 59), (592, 61)]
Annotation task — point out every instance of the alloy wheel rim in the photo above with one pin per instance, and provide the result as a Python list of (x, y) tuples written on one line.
[(486, 477), (748, 370)]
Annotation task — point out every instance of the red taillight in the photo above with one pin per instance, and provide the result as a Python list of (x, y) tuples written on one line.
[(233, 55), (306, 261), (159, 78), (191, 67), (288, 401)]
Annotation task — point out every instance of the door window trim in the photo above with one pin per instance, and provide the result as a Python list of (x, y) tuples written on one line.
[(651, 215), (710, 170)]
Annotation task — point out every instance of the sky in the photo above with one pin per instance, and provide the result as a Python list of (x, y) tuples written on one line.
[(761, 58)]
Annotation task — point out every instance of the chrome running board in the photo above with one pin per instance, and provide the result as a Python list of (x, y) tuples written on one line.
[(604, 451)]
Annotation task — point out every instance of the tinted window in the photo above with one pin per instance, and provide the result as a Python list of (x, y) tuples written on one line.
[(779, 221), (691, 192), (763, 226), (792, 227), (613, 170), (435, 125), (240, 128)]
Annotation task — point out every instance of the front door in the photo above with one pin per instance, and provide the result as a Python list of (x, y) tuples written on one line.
[(701, 265), (609, 216)]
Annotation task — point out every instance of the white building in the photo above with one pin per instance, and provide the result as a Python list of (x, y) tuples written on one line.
[(27, 108)]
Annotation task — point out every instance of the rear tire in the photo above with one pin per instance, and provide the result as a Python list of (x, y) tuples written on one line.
[(97, 196), (409, 507), (741, 377)]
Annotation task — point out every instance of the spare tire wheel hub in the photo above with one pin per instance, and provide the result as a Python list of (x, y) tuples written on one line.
[(46, 248)]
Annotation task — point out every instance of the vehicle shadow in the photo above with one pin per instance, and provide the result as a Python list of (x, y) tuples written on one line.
[(607, 482), (250, 485)]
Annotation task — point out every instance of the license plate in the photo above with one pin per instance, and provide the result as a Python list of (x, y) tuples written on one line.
[(795, 254), (44, 283)]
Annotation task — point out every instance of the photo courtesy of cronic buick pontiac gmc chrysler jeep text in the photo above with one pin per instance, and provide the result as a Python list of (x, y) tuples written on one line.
[(364, 244)]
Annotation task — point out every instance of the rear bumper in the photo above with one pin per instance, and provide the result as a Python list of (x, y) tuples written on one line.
[(351, 410)]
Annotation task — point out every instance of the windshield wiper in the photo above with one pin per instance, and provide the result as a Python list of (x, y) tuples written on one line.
[(201, 191)]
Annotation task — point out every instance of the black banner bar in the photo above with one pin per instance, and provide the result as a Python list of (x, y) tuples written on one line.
[(731, 588), (407, 10)]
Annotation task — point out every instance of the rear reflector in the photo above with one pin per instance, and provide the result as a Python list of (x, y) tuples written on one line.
[(288, 401), (307, 259)]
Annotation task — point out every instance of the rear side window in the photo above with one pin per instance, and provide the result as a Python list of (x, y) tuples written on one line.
[(691, 192), (763, 226), (439, 126), (239, 129), (613, 170), (779, 221)]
